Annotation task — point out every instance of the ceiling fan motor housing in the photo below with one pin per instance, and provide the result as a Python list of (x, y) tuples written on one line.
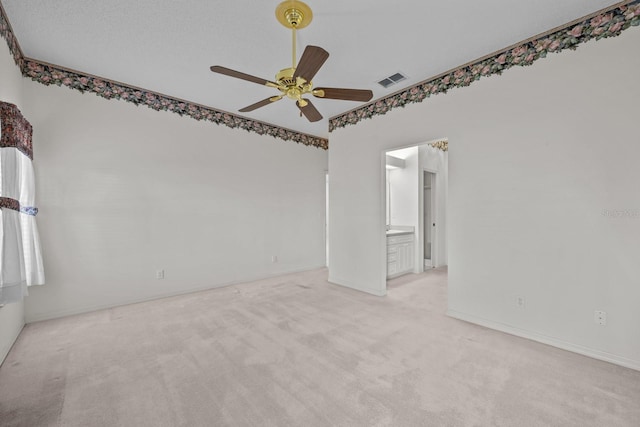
[(285, 77), (292, 87)]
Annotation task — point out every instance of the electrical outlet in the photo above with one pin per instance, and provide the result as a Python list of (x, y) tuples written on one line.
[(520, 302), (274, 258), (160, 274), (600, 317)]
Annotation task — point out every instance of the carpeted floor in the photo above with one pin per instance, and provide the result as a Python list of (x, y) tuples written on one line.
[(297, 351)]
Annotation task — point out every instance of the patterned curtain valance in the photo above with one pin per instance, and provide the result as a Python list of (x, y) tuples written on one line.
[(16, 130), (21, 255)]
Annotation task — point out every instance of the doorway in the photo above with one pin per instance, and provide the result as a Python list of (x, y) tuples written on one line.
[(415, 200)]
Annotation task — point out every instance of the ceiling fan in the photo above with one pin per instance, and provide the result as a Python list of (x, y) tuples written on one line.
[(295, 82)]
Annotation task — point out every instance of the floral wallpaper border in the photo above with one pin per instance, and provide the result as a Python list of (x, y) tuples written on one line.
[(441, 145), (49, 74), (13, 204), (7, 33), (608, 23)]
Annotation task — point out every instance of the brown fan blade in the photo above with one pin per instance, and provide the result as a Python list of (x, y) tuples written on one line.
[(312, 59), (261, 104), (361, 95), (238, 75), (309, 111)]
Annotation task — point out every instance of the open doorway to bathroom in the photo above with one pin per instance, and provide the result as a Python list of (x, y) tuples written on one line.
[(416, 198)]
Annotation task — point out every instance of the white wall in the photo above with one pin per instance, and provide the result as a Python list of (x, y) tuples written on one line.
[(125, 191), (11, 315), (535, 157), (403, 185)]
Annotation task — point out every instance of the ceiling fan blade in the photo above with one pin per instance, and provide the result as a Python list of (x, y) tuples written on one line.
[(312, 59), (309, 111), (262, 103), (238, 75), (361, 95)]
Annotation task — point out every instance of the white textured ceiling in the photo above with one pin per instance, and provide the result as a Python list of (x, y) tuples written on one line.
[(168, 45)]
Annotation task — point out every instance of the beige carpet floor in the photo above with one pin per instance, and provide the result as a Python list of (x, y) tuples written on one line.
[(297, 351)]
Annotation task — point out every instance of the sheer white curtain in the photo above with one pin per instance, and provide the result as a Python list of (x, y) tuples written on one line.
[(20, 253)]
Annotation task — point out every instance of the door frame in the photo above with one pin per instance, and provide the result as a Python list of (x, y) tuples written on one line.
[(422, 225), (326, 218)]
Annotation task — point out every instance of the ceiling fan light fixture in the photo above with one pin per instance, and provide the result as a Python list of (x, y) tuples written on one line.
[(285, 77)]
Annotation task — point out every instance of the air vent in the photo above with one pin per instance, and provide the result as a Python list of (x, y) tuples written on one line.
[(391, 80), (386, 83)]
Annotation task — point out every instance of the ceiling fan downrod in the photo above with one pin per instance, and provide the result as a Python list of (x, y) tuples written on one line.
[(293, 49), (294, 14)]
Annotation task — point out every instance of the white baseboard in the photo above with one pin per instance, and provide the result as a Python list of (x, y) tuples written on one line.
[(347, 284), (544, 339), (89, 309), (4, 351)]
